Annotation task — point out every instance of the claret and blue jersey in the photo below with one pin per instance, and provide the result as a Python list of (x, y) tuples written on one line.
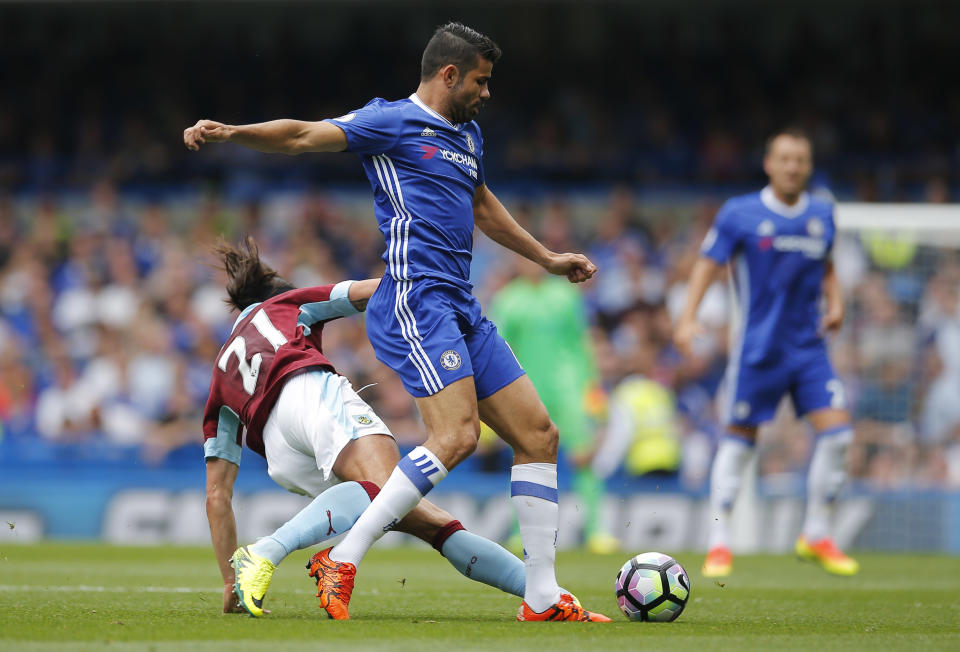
[(777, 255)]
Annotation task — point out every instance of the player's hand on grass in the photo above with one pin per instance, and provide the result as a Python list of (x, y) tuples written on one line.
[(206, 131), (576, 267), (685, 333), (231, 604)]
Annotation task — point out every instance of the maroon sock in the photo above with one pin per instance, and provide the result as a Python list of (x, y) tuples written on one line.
[(371, 488), (444, 533)]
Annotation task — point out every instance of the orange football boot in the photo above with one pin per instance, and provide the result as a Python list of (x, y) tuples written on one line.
[(568, 608), (719, 562), (828, 554), (334, 583)]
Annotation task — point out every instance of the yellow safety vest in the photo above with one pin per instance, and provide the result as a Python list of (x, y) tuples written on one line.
[(656, 437)]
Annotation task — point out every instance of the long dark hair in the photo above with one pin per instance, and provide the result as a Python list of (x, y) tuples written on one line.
[(249, 280)]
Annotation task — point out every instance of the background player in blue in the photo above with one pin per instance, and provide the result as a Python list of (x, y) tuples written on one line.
[(423, 157), (777, 244)]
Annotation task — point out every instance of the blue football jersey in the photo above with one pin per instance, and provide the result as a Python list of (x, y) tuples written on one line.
[(777, 255), (423, 170)]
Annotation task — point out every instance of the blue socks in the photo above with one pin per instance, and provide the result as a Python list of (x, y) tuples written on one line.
[(331, 513), (484, 561), (336, 510)]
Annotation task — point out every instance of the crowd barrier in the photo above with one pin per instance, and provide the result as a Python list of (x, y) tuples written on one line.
[(101, 492)]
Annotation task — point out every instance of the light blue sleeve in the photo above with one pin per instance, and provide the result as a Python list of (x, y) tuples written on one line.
[(338, 305), (224, 445)]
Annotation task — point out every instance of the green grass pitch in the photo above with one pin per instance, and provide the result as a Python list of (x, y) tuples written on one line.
[(58, 596)]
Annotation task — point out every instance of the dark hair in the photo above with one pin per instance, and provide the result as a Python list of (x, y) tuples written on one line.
[(792, 131), (457, 44), (249, 279)]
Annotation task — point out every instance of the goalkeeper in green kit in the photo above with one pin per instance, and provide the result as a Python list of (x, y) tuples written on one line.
[(544, 323)]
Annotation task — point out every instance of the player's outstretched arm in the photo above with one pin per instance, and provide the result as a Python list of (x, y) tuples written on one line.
[(495, 220), (833, 317), (221, 476), (275, 137), (702, 275)]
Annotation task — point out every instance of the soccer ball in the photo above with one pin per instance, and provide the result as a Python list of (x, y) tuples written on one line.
[(652, 586)]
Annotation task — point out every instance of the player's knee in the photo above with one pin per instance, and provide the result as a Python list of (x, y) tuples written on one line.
[(464, 444), (454, 445), (542, 440), (551, 439)]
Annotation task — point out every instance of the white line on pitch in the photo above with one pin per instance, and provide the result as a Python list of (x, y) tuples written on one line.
[(84, 588)]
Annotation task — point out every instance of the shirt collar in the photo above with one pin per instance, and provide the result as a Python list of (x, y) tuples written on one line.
[(416, 100), (770, 200), (246, 311)]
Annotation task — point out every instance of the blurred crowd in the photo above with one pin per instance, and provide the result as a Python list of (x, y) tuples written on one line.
[(112, 313), (111, 309), (665, 95)]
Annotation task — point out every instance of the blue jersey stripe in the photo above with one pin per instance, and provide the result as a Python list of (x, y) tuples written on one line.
[(740, 282), (403, 289), (392, 250), (404, 227), (397, 250)]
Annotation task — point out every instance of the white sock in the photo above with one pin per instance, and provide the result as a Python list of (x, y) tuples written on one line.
[(415, 475), (732, 456), (533, 492), (825, 479)]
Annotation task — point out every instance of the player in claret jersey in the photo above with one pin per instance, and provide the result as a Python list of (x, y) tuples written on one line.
[(423, 156), (777, 245), (274, 390)]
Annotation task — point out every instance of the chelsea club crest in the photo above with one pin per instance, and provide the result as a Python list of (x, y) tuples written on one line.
[(470, 145), (450, 360)]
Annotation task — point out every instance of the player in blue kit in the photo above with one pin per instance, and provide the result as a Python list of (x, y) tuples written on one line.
[(423, 156), (777, 245)]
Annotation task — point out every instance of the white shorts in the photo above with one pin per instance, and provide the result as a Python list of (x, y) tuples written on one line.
[(315, 416)]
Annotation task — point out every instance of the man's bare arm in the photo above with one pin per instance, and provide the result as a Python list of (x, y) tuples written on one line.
[(702, 275), (361, 291), (833, 295), (221, 476), (495, 220), (275, 137)]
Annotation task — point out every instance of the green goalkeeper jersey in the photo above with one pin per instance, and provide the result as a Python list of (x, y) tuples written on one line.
[(545, 324)]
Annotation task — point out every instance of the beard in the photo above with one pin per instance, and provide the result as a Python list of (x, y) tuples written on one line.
[(462, 110)]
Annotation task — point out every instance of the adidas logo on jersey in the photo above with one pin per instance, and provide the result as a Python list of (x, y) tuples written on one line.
[(427, 131)]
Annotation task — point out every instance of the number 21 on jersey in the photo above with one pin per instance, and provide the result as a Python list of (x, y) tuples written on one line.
[(249, 370)]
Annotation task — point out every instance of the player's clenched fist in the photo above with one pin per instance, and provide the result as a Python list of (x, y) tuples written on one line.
[(205, 131), (576, 267), (684, 334)]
